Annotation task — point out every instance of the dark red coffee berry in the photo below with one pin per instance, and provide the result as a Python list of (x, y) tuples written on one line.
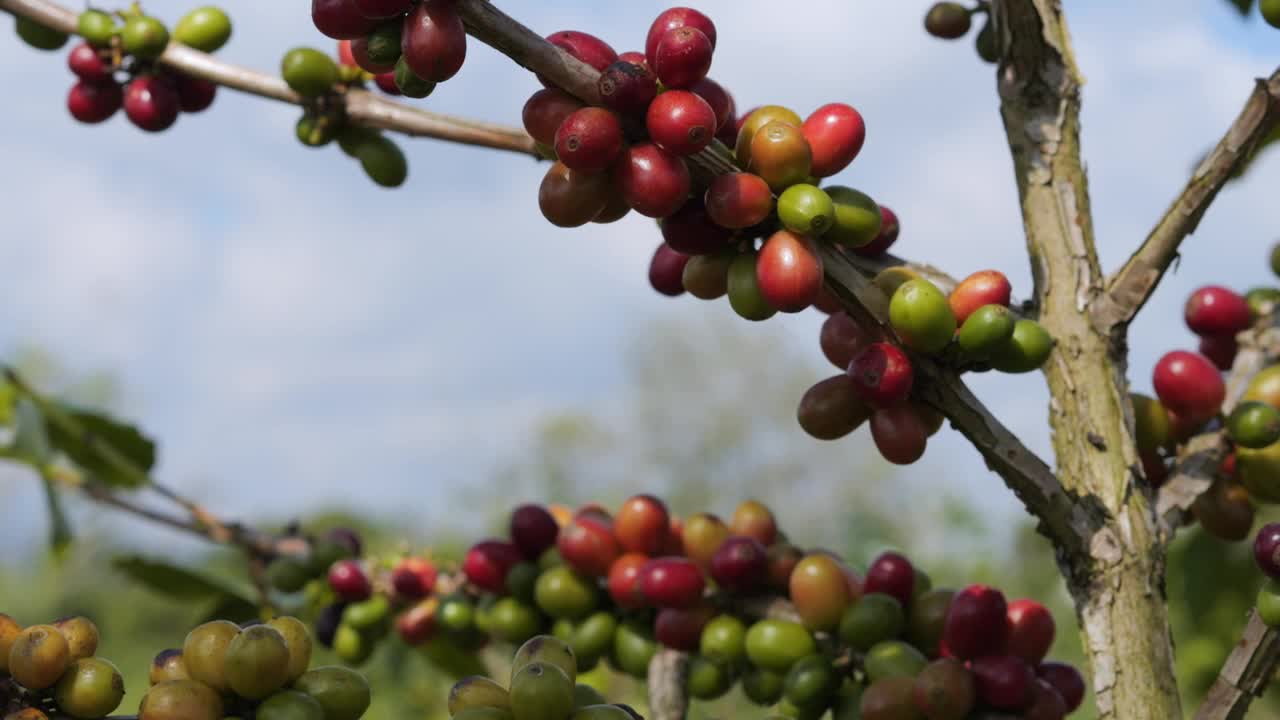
[(92, 103), (151, 102), (681, 122), (682, 58), (627, 88), (589, 140)]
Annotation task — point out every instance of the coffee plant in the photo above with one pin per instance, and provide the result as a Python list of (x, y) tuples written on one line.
[(747, 209)]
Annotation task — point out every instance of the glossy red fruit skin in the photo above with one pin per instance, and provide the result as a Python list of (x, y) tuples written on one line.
[(627, 87), (583, 46), (624, 581), (151, 102), (588, 546), (386, 82), (738, 200), (413, 578), (434, 41), (882, 374), (1046, 703), (977, 623), (1066, 679), (889, 229), (417, 625), (195, 94), (87, 64), (1189, 385), (672, 19), (589, 140), (1215, 310), (831, 409), (683, 57), (666, 271), (340, 20), (533, 529), (985, 287), (545, 111), (672, 582), (487, 563), (893, 575), (1031, 630), (1004, 682), (681, 122), (383, 9), (899, 434), (349, 581), (691, 231), (345, 57), (1266, 550), (92, 103), (1220, 349), (841, 339), (720, 100), (635, 58), (789, 271), (641, 525), (681, 628), (654, 182), (741, 564), (836, 133)]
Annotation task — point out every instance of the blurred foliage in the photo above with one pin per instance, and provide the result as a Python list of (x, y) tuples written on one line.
[(708, 420)]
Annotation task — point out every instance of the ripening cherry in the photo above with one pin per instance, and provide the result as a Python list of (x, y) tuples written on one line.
[(706, 277), (87, 64), (654, 182), (740, 564), (888, 235), (1220, 349), (589, 140), (680, 122), (1066, 679), (349, 581), (570, 198), (673, 19), (533, 530), (1004, 682), (977, 623), (151, 103), (721, 103), (1189, 385), (413, 578), (681, 628), (789, 271), (386, 82), (900, 434), (1266, 550), (345, 56), (545, 111), (682, 58), (666, 271), (1031, 630), (627, 87), (703, 535), (1215, 310), (738, 200), (753, 122), (782, 560), (985, 287), (360, 53), (624, 581), (883, 375), (583, 46), (691, 231), (194, 94), (891, 574), (753, 518), (416, 625), (587, 545), (820, 591), (835, 134), (93, 103), (340, 20), (672, 582), (487, 563), (1046, 703), (780, 155), (832, 409), (842, 338), (641, 525), (634, 57), (383, 9), (434, 42)]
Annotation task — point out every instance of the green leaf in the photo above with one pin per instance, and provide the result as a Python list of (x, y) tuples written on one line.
[(179, 583), (114, 453), (60, 535)]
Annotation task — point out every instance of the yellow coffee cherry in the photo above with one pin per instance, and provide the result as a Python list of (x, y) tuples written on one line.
[(38, 657)]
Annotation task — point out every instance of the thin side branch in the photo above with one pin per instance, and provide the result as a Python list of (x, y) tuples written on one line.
[(667, 679), (362, 107), (1245, 675), (1130, 287)]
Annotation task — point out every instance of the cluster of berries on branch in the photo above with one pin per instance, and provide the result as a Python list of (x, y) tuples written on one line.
[(52, 670)]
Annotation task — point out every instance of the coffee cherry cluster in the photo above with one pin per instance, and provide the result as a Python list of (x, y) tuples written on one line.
[(972, 327), (798, 629), (115, 66), (952, 21), (259, 671), (543, 686), (407, 46), (51, 670)]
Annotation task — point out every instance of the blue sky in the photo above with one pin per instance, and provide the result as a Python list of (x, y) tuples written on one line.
[(290, 333)]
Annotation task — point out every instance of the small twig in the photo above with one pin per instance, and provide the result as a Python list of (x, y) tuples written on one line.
[(667, 681), (1245, 675), (1131, 286), (362, 107)]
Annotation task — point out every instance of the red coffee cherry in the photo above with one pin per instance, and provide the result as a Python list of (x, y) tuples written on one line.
[(977, 623), (672, 582), (487, 563), (87, 64), (691, 231), (583, 46), (570, 198), (627, 87), (92, 103), (383, 9), (545, 111), (340, 20), (654, 182), (533, 530), (842, 338), (789, 271), (1215, 310), (721, 103), (681, 122), (882, 374), (624, 581), (892, 574), (673, 19), (1266, 550), (738, 200), (348, 579), (835, 133), (1004, 681), (151, 102), (1031, 630), (1066, 679), (386, 82), (666, 271), (985, 287), (1189, 386), (900, 434), (682, 58), (589, 140), (1220, 349), (434, 41), (194, 94)]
